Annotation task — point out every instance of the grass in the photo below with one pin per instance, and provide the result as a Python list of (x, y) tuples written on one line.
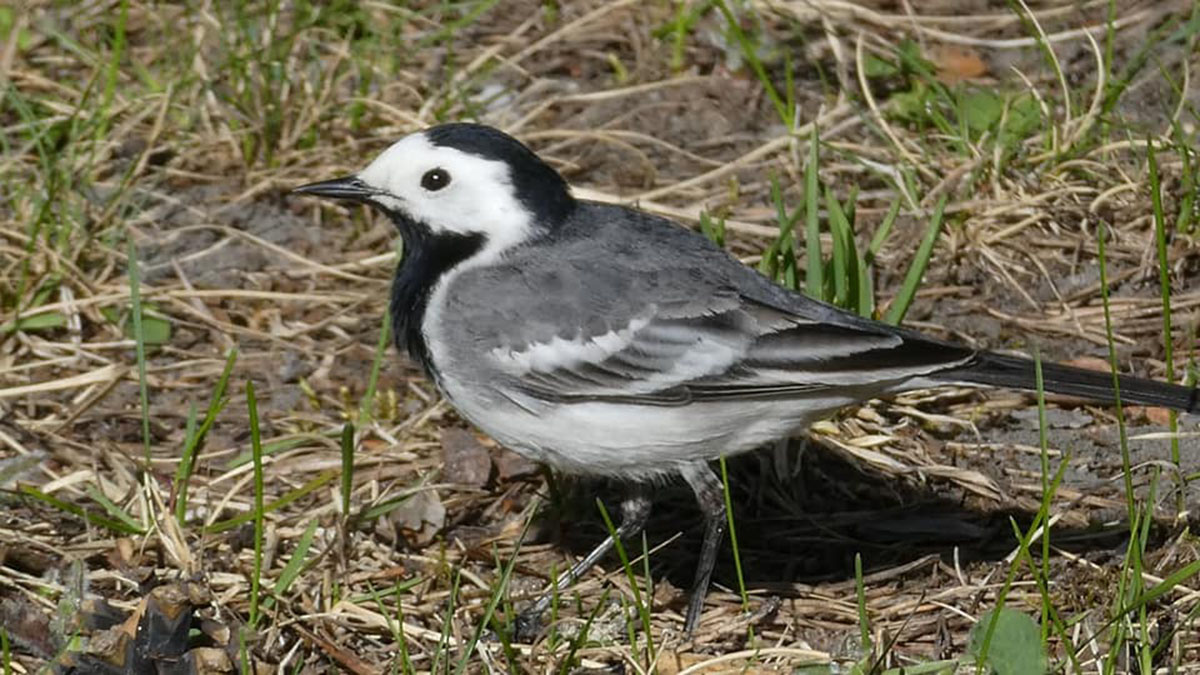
[(193, 438), (151, 268), (139, 333), (1164, 285), (640, 606)]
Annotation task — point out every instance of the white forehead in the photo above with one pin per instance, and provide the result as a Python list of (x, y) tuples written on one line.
[(479, 199)]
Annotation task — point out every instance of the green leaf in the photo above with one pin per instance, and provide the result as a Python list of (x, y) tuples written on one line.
[(1015, 647), (1023, 120), (911, 106), (877, 67), (981, 109), (42, 321), (155, 330)]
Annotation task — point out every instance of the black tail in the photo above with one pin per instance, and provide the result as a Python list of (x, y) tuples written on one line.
[(998, 370)]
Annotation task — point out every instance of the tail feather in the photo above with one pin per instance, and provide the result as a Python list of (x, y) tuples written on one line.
[(998, 370)]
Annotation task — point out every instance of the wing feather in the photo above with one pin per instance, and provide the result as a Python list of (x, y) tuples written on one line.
[(746, 351), (624, 306)]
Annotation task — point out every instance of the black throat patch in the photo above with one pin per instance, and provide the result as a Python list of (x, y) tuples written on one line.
[(427, 257)]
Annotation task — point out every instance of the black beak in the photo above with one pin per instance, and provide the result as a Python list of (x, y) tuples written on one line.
[(350, 188)]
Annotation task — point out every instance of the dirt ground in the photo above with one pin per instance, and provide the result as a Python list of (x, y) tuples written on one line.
[(926, 488)]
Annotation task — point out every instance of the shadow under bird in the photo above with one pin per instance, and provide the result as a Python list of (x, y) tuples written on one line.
[(603, 340)]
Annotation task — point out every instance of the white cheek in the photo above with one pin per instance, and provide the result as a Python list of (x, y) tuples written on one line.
[(389, 202), (478, 200), (492, 213), (445, 211)]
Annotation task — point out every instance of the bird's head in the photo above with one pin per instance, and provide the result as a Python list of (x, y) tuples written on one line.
[(459, 179)]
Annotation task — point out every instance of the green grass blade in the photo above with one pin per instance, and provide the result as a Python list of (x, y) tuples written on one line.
[(114, 68), (287, 498), (643, 608), (114, 510), (1023, 539), (1188, 185), (109, 523), (271, 448), (494, 601), (183, 472), (347, 452), (778, 260), (1164, 286), (291, 571), (750, 53), (450, 28), (443, 648), (401, 638), (860, 593), (1133, 563), (733, 540), (582, 638), (854, 285), (814, 281), (881, 234), (259, 509), (1168, 584), (1044, 447), (139, 336), (713, 228), (367, 406), (1126, 463), (908, 290), (841, 253)]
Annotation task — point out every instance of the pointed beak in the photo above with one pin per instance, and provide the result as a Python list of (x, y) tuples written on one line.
[(350, 188)]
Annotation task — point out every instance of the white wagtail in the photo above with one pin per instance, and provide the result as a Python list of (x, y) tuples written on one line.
[(603, 340)]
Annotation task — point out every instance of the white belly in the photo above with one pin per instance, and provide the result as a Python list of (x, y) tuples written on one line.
[(631, 440)]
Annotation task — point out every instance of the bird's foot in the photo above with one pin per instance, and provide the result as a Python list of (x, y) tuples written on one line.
[(527, 627)]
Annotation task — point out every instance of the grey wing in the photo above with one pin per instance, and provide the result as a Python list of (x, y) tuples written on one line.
[(734, 348), (664, 317)]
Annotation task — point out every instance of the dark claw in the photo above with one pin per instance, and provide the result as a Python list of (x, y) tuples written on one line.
[(527, 627)]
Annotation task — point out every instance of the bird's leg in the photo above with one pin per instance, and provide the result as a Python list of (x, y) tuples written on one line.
[(635, 510), (710, 494)]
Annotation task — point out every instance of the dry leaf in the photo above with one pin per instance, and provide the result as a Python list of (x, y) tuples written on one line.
[(510, 465), (1157, 415), (419, 518), (1089, 363), (955, 63), (464, 459)]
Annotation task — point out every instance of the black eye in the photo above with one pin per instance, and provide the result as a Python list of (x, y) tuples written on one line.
[(435, 179)]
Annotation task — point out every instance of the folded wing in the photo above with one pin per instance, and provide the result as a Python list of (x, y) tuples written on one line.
[(733, 348)]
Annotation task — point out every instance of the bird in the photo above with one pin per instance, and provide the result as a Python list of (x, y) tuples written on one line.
[(603, 340)]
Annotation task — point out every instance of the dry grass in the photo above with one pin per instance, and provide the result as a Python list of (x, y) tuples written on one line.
[(186, 148)]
